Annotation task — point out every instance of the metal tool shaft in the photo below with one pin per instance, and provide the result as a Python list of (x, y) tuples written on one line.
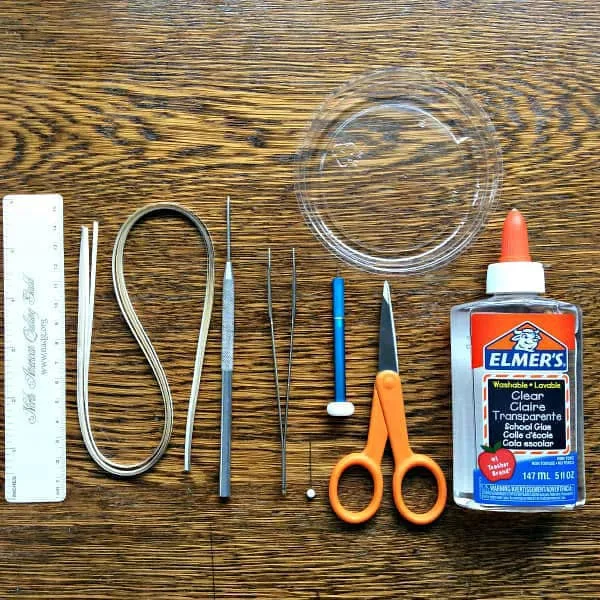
[(227, 333)]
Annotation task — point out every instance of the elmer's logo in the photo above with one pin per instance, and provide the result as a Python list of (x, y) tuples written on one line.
[(526, 347)]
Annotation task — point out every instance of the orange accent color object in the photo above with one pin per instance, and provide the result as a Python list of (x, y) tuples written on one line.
[(515, 241), (388, 421)]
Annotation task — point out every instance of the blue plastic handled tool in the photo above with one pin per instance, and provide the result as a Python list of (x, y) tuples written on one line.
[(340, 407)]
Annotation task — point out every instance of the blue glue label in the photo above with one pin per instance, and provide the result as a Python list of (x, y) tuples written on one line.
[(539, 481)]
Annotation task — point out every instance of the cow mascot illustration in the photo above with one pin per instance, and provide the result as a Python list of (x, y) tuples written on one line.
[(526, 339)]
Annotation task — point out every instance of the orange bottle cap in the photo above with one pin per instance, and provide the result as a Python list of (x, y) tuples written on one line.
[(515, 242), (515, 273)]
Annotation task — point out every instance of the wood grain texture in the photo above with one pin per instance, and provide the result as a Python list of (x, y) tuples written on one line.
[(115, 104)]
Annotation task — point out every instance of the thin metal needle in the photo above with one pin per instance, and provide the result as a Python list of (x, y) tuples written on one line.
[(228, 229), (310, 463), (310, 492), (227, 334), (212, 564)]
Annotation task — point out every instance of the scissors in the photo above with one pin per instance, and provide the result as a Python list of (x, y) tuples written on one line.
[(388, 420)]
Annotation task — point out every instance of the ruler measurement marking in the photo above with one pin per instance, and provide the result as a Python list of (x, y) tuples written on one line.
[(35, 444)]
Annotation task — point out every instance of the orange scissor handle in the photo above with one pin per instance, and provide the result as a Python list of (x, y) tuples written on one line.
[(369, 459), (425, 462), (356, 459), (389, 390)]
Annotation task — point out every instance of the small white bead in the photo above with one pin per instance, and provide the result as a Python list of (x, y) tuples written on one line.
[(310, 493)]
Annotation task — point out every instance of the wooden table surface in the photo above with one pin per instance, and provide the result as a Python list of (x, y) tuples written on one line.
[(119, 103)]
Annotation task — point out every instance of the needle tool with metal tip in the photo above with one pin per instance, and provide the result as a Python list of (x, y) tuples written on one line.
[(282, 410), (227, 334)]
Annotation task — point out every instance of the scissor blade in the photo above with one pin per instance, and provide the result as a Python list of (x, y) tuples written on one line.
[(388, 351)]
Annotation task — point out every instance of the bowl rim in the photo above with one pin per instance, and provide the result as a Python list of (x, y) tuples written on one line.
[(491, 169)]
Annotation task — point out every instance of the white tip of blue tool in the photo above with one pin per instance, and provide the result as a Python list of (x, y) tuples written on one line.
[(340, 409)]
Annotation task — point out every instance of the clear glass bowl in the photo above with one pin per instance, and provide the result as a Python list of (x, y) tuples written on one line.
[(398, 171)]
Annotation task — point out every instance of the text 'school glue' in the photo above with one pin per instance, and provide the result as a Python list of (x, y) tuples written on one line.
[(517, 402)]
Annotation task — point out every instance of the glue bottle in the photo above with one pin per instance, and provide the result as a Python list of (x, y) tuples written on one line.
[(517, 402)]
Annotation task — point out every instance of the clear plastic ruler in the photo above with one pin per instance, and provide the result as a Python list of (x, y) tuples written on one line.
[(34, 348)]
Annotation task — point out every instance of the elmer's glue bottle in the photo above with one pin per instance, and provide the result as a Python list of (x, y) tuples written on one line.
[(517, 403)]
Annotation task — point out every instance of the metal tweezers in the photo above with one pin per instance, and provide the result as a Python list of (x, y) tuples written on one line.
[(282, 410)]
